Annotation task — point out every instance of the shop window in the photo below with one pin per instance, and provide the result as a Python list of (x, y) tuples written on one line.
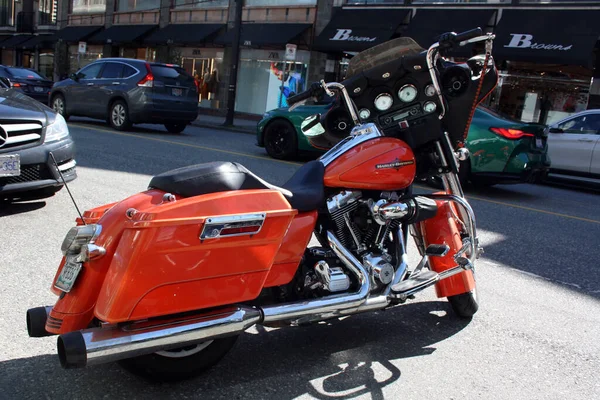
[(46, 64), (47, 10), (6, 12), (583, 124), (280, 3), (137, 5), (88, 6), (112, 71)]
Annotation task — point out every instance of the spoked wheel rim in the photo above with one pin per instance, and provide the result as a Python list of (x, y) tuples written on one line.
[(185, 351), (59, 105), (279, 140), (118, 115)]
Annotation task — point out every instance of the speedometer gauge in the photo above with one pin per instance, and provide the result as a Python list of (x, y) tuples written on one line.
[(383, 102), (364, 114), (407, 93)]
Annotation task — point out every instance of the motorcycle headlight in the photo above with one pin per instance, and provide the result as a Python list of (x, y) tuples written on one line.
[(78, 237), (57, 130)]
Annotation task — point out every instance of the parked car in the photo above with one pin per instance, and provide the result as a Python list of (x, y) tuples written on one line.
[(27, 81), (502, 150), (29, 132), (574, 145), (124, 91)]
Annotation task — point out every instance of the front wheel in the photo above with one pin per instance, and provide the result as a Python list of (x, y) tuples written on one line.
[(280, 139), (182, 363), (465, 305)]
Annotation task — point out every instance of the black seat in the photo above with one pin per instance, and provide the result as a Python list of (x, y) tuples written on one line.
[(304, 190)]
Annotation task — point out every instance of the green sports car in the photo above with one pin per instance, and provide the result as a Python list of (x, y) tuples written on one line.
[(502, 150)]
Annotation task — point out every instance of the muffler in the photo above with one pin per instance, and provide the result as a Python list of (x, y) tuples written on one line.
[(36, 321), (102, 345)]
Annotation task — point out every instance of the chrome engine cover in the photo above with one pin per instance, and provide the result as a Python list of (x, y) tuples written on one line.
[(379, 267), (333, 279)]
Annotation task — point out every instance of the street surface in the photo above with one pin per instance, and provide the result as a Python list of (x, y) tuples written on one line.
[(536, 336)]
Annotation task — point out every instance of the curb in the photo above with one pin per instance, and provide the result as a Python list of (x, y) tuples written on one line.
[(239, 129)]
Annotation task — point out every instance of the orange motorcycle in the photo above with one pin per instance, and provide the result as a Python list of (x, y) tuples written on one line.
[(166, 280)]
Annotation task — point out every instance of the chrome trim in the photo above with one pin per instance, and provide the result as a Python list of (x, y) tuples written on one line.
[(214, 225), (394, 210), (342, 199), (79, 236), (30, 137), (168, 198), (350, 106), (21, 127), (67, 165), (404, 87), (91, 251), (112, 343), (321, 308), (381, 95), (360, 134)]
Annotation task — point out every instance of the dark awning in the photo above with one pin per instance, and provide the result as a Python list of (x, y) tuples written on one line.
[(359, 29), (265, 34), (118, 34), (547, 36), (39, 41), (15, 41), (3, 38), (183, 34), (74, 34), (428, 24)]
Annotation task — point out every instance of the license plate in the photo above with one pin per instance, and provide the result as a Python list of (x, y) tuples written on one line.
[(38, 89), (10, 165), (177, 92), (68, 275), (538, 143)]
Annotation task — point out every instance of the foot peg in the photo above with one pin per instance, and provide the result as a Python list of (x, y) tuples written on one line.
[(414, 284), (437, 250)]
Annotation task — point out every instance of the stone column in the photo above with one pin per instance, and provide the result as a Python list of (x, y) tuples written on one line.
[(163, 52), (316, 68), (61, 56), (108, 50)]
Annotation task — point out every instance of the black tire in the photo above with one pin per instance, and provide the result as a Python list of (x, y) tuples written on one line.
[(59, 105), (118, 116), (280, 140), (465, 305), (175, 127), (157, 367)]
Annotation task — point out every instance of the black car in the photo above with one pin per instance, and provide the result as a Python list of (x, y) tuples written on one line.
[(28, 81), (29, 132), (125, 91)]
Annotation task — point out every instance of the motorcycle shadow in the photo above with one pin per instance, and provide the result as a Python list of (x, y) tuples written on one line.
[(335, 359)]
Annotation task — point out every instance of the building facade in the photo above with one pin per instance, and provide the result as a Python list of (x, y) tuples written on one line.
[(546, 50)]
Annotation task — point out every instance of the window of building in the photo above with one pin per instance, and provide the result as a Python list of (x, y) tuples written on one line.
[(137, 5), (47, 11), (7, 17), (88, 6), (280, 3), (201, 4)]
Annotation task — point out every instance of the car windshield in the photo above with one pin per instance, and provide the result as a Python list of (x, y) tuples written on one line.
[(382, 53), (24, 73)]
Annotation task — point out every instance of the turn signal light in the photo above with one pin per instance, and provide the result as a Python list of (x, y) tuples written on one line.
[(16, 85), (510, 133), (148, 80)]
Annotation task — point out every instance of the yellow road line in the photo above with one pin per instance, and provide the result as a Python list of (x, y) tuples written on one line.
[(184, 144), (298, 164)]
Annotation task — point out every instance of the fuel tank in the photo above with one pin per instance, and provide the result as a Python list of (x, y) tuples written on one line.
[(382, 163)]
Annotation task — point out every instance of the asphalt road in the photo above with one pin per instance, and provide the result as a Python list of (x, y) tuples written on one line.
[(537, 335)]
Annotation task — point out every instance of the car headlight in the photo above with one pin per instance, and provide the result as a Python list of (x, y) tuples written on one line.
[(57, 130)]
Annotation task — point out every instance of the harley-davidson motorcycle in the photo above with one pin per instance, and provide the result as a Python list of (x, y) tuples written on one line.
[(166, 280)]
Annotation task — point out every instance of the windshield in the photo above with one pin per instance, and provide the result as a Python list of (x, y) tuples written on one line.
[(24, 73), (382, 53)]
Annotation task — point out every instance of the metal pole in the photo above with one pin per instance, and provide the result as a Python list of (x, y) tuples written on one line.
[(235, 58)]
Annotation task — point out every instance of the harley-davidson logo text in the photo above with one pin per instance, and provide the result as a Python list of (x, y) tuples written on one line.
[(396, 164)]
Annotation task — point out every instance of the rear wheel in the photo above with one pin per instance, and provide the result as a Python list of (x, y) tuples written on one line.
[(280, 139), (182, 363), (59, 105), (175, 127), (118, 116), (465, 305)]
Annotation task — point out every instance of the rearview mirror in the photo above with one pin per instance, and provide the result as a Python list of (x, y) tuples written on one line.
[(556, 130), (311, 126)]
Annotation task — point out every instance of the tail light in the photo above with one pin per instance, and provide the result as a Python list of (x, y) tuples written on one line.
[(148, 80), (16, 84), (509, 133)]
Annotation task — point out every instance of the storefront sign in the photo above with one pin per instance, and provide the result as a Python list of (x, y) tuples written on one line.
[(290, 51), (525, 41), (82, 48), (345, 35)]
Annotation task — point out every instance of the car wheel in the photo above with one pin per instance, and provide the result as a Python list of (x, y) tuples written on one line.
[(118, 116), (59, 105), (175, 127), (280, 139), (465, 305), (183, 363)]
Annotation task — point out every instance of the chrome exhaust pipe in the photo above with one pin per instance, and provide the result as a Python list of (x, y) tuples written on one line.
[(327, 307), (102, 345)]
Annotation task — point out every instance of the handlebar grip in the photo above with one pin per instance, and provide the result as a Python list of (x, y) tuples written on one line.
[(299, 97), (470, 34)]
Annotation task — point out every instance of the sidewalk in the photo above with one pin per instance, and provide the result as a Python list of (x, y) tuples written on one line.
[(216, 122)]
